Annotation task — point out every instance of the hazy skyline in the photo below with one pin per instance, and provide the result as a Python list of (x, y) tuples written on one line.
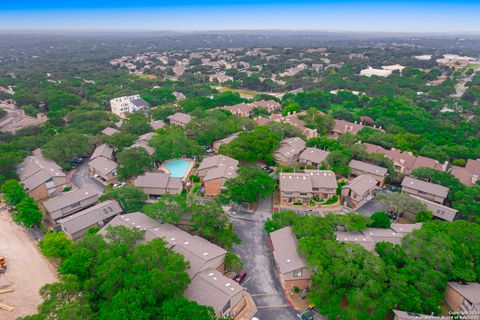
[(386, 16)]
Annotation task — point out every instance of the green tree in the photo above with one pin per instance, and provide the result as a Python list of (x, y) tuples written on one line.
[(233, 263), (137, 124), (56, 245), (130, 197), (171, 143), (380, 220), (133, 162), (121, 140), (251, 185), (212, 223), (66, 146), (13, 192), (399, 203), (29, 213), (423, 216)]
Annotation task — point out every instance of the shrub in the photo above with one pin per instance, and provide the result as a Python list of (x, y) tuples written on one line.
[(380, 220)]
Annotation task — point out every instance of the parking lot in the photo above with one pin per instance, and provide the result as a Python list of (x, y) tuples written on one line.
[(27, 269)]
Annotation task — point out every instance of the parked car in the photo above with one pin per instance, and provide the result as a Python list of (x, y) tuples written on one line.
[(77, 161), (118, 185), (240, 277)]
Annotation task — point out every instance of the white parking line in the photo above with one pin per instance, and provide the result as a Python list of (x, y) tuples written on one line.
[(246, 280)]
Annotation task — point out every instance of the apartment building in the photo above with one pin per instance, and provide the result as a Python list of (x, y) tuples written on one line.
[(123, 106)]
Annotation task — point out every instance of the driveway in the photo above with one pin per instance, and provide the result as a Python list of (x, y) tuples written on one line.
[(28, 270), (261, 281), (81, 179)]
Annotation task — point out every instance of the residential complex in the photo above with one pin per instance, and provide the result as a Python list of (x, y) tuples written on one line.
[(123, 106)]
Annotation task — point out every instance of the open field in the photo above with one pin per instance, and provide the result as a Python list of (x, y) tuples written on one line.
[(27, 269)]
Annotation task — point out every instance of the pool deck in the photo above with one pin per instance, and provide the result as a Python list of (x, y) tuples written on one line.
[(187, 172)]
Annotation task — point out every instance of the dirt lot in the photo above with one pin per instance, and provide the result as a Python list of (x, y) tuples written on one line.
[(27, 269)]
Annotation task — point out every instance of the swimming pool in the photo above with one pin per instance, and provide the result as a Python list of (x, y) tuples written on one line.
[(177, 168)]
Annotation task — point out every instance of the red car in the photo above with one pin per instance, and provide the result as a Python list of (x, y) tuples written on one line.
[(240, 277)]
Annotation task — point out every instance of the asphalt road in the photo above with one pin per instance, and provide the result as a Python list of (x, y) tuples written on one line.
[(261, 282), (81, 179)]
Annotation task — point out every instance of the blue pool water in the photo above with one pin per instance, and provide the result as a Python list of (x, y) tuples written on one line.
[(177, 168)]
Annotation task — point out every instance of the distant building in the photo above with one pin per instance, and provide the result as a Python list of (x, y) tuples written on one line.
[(123, 106), (269, 105), (300, 188), (156, 184), (291, 266), (217, 144), (77, 225), (313, 157), (375, 72), (342, 126), (240, 109), (157, 124), (70, 202), (142, 142), (108, 131), (360, 168), (289, 151), (179, 119), (359, 191), (469, 174), (214, 171), (41, 177), (426, 190), (371, 236)]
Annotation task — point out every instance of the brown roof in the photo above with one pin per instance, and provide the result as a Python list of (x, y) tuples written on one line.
[(314, 155), (438, 210), (102, 165), (217, 161), (422, 161), (473, 166), (322, 178), (291, 146), (211, 288), (402, 315), (369, 168), (361, 184), (373, 148), (157, 124), (108, 131), (266, 104), (295, 182), (285, 250), (342, 126), (420, 185), (462, 174), (103, 150), (240, 108), (404, 158), (384, 235), (405, 227), (261, 121), (180, 117)]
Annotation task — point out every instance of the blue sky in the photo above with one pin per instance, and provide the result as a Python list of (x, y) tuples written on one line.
[(187, 15)]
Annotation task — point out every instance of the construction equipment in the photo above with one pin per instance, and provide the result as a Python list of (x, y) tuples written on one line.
[(3, 265)]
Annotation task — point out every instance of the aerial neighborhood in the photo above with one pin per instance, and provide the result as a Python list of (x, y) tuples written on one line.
[(250, 182)]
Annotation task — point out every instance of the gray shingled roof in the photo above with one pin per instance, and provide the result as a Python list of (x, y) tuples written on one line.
[(424, 186), (314, 155), (157, 180), (69, 198), (35, 170), (217, 161), (103, 150), (295, 182), (285, 250), (211, 288), (90, 216), (102, 165), (322, 178), (361, 184), (196, 250), (369, 168)]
